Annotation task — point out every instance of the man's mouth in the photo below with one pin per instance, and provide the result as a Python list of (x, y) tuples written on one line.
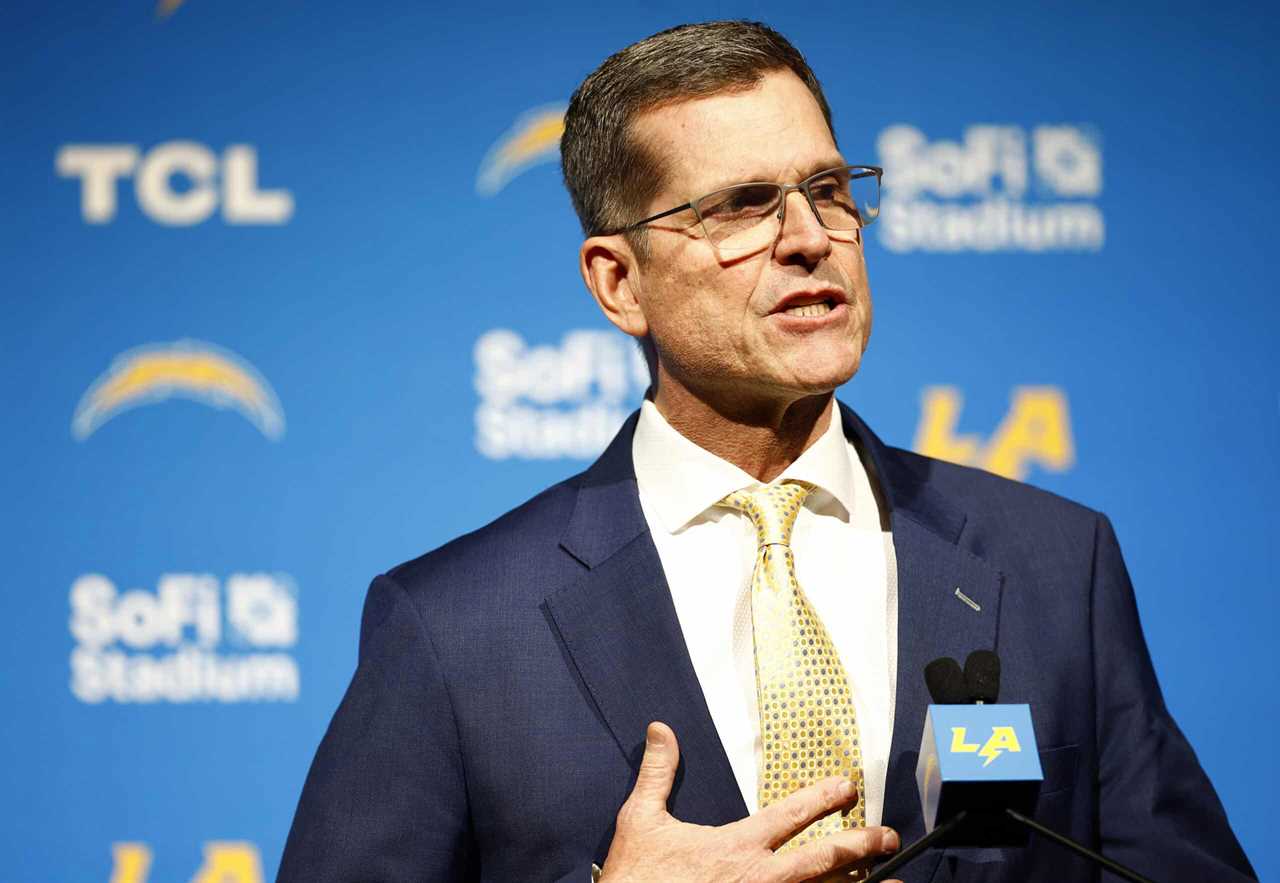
[(810, 304), (821, 308)]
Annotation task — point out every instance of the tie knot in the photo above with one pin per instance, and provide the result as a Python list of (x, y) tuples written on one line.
[(772, 509)]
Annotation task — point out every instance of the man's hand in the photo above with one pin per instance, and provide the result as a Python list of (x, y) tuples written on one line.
[(652, 845)]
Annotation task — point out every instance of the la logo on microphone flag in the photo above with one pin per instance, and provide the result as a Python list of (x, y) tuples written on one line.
[(1002, 739), (977, 757)]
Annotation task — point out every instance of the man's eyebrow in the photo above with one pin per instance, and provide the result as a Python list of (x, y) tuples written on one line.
[(830, 162)]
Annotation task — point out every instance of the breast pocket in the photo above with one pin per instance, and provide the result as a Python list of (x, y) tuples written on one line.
[(1059, 768)]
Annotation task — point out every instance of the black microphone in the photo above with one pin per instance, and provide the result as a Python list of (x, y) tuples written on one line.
[(979, 772), (946, 682), (982, 676)]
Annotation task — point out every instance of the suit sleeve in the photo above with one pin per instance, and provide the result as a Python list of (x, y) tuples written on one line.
[(1159, 813), (385, 799)]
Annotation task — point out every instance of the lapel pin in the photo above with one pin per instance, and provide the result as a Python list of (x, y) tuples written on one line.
[(966, 599)]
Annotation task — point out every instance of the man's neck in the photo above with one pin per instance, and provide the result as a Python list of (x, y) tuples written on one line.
[(760, 438)]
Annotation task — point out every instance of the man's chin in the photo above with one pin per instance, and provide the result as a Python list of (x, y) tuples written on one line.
[(823, 374)]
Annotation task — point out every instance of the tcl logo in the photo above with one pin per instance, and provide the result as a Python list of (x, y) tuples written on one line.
[(208, 181)]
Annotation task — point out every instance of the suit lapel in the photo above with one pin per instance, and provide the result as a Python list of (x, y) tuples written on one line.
[(933, 620), (619, 627)]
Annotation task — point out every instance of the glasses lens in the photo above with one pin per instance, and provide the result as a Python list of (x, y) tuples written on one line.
[(745, 217), (846, 199), (739, 217)]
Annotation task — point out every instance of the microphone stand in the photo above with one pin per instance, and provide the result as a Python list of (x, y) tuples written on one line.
[(882, 873), (1078, 848)]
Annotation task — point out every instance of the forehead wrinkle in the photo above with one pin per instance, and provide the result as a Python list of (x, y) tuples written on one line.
[(725, 129), (699, 126), (803, 172)]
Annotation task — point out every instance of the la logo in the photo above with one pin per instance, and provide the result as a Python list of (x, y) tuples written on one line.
[(224, 862), (1002, 739), (1036, 429)]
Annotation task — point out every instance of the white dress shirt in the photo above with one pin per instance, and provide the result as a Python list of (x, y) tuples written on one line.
[(844, 563)]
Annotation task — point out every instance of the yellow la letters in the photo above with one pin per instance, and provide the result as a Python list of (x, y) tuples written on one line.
[(958, 745), (1002, 739), (131, 862), (233, 861), (229, 862), (1036, 429)]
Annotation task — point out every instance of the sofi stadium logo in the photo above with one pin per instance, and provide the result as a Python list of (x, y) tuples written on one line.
[(996, 188), (554, 400), (177, 183), (191, 639)]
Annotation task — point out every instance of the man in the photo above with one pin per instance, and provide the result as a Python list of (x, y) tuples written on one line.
[(700, 660)]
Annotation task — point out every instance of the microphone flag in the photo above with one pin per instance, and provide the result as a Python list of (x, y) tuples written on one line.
[(981, 759)]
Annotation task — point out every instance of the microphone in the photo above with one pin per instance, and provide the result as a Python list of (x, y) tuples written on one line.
[(979, 770), (978, 682), (979, 759), (982, 676), (946, 682)]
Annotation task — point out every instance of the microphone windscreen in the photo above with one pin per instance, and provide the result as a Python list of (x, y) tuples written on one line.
[(982, 676), (946, 682)]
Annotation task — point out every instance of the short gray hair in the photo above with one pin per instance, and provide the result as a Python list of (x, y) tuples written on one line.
[(609, 175)]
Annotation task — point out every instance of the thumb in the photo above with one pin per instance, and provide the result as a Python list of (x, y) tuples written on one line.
[(657, 768)]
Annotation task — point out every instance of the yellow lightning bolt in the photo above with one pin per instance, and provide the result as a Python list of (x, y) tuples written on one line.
[(1002, 739), (186, 368), (199, 371), (542, 134), (533, 139)]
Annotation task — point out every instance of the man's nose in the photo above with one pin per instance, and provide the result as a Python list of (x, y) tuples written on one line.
[(802, 237)]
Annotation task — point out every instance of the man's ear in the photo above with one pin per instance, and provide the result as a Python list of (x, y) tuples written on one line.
[(610, 269)]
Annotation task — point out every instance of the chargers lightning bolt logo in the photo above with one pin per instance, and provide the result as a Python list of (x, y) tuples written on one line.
[(1002, 739), (186, 369), (533, 139)]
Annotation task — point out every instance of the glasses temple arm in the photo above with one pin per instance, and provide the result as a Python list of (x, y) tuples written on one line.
[(658, 216)]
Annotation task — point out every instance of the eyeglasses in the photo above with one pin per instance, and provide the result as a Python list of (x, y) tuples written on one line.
[(747, 217)]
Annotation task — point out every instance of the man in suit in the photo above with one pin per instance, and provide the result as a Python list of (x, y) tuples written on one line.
[(604, 675)]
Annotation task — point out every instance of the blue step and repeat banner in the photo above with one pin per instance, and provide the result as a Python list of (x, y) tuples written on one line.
[(280, 279)]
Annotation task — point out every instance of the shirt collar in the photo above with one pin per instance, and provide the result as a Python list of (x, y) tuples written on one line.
[(681, 480)]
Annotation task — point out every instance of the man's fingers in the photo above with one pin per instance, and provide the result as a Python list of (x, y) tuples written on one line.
[(657, 769), (778, 822), (834, 851)]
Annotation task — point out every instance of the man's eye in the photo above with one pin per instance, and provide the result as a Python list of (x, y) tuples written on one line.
[(830, 192), (745, 200)]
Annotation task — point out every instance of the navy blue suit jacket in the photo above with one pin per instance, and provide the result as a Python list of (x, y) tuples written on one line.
[(496, 719)]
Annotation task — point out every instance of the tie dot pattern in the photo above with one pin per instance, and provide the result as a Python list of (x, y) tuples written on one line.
[(808, 730)]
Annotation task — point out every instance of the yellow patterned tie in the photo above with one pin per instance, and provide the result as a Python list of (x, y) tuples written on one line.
[(807, 725)]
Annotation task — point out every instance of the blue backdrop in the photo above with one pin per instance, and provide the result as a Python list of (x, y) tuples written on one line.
[(278, 278)]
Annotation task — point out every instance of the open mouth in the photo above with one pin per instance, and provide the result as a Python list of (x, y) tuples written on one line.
[(809, 311)]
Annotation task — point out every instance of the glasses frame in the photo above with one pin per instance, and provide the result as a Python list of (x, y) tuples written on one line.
[(784, 189)]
